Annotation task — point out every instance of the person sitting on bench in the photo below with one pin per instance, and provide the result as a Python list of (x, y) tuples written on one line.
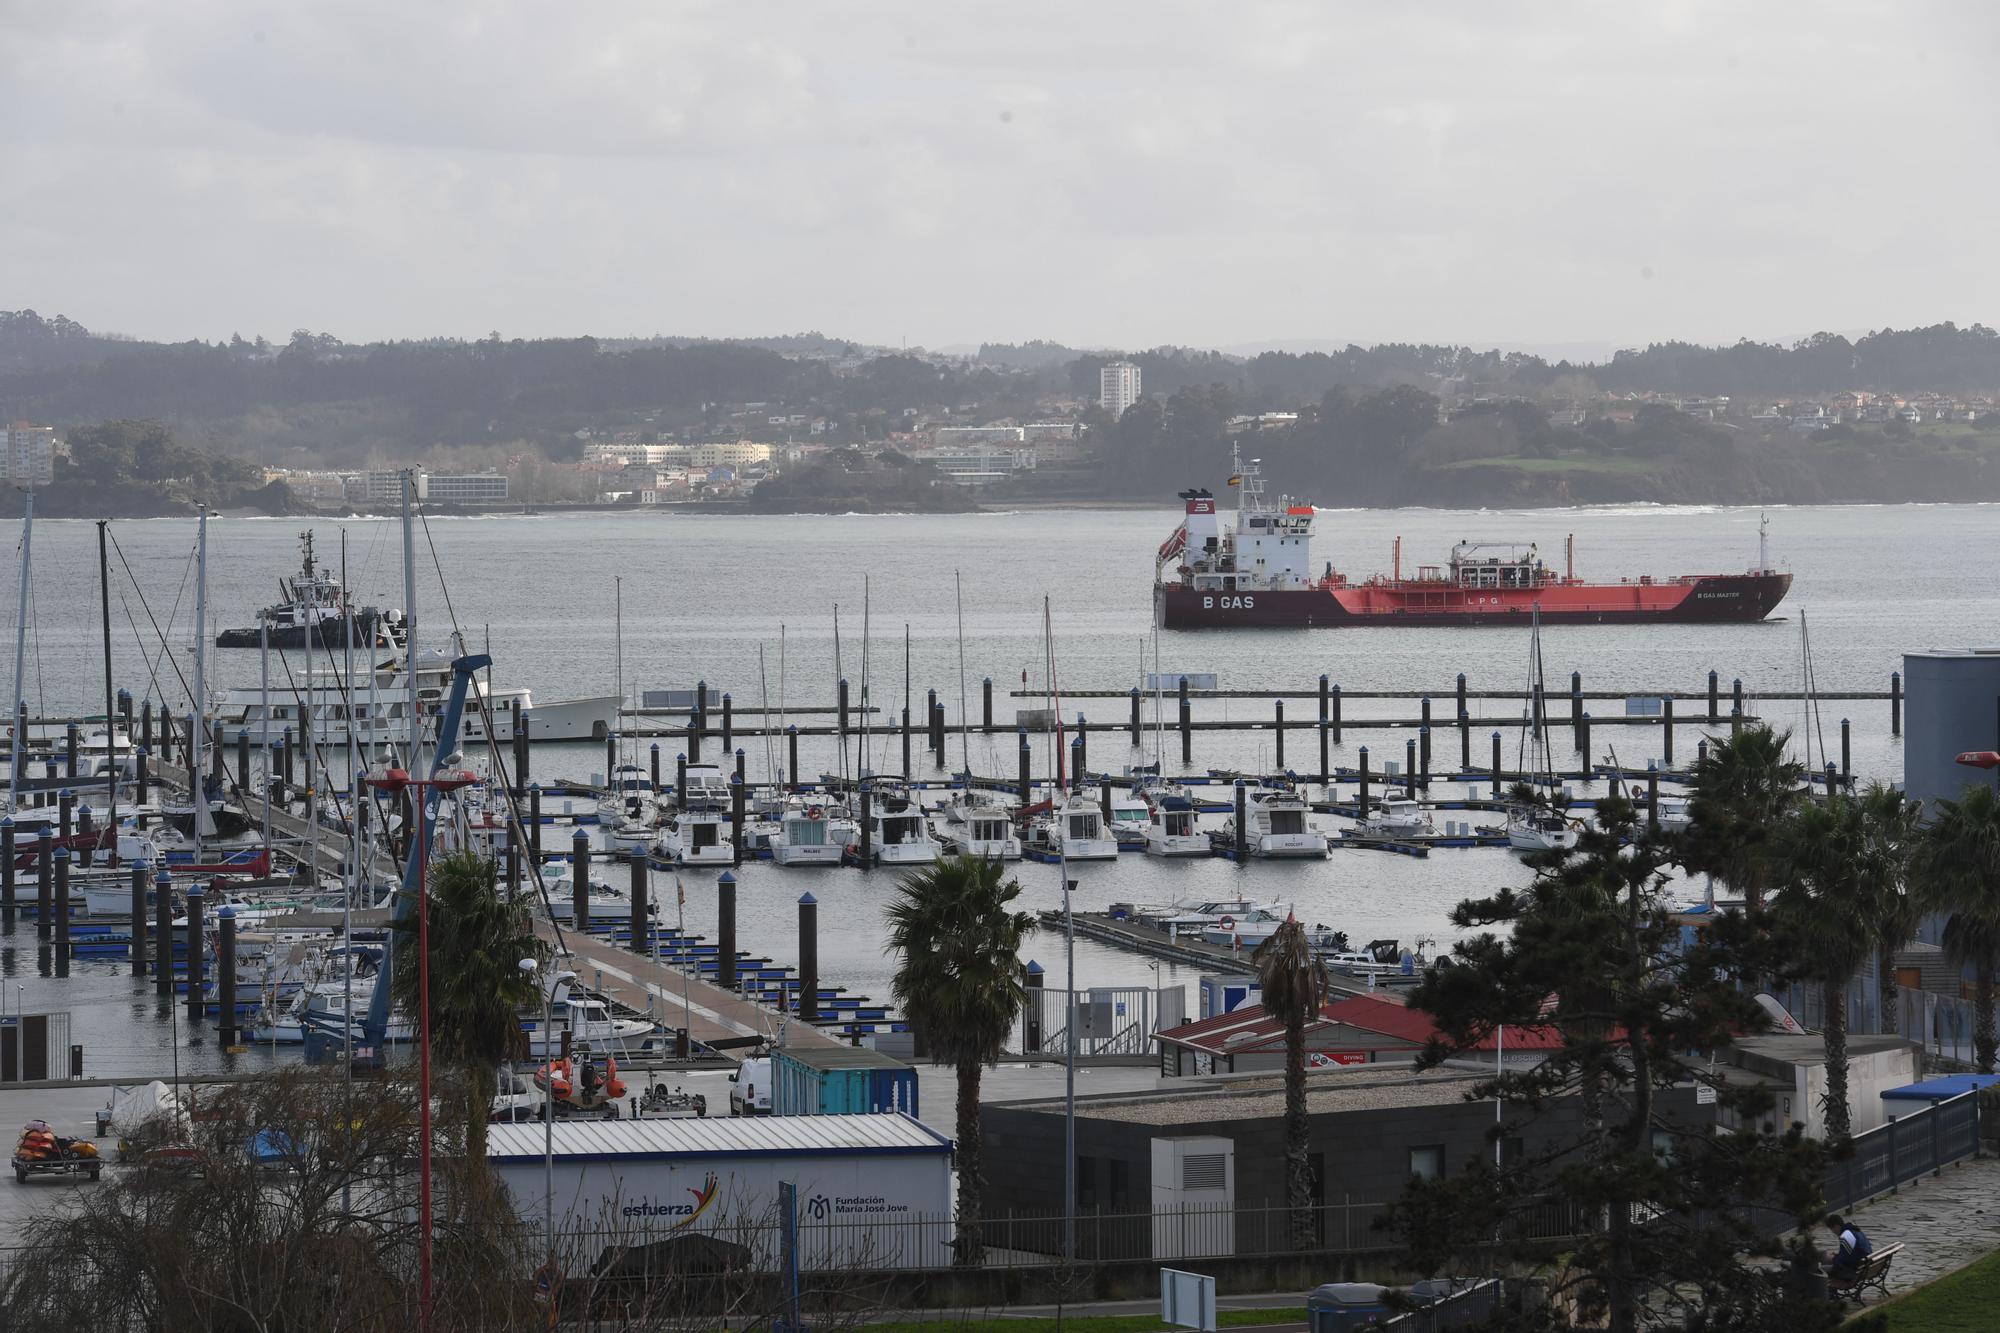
[(1855, 1247)]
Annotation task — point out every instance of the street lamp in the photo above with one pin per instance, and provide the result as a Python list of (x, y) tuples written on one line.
[(394, 782), (528, 966)]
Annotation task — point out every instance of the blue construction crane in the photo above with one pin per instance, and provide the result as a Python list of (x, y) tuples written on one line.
[(368, 1050)]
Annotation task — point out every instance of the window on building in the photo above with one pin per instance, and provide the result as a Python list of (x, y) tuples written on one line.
[(1427, 1162)]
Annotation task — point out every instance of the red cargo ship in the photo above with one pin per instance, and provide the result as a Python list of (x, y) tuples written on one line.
[(1259, 574)]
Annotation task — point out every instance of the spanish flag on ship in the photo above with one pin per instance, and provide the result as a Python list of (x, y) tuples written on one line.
[(1236, 480)]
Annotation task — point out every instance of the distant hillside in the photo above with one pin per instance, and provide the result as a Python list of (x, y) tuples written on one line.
[(848, 481)]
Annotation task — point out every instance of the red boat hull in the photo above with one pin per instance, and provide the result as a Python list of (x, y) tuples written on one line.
[(1710, 599)]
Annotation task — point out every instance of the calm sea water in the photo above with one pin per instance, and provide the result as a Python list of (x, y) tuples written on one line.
[(715, 597)]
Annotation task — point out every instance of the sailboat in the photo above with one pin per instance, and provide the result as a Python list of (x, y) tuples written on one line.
[(1534, 827)]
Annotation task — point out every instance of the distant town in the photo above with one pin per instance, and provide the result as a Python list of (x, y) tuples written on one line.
[(317, 425)]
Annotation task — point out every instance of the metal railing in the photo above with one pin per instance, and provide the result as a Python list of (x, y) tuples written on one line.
[(1109, 1021), (1906, 1149)]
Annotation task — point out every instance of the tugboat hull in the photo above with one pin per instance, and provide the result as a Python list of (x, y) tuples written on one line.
[(332, 635)]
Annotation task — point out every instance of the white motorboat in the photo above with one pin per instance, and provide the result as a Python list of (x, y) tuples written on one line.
[(698, 833), (606, 902), (802, 837), (973, 824), (1278, 826), (585, 1018), (1674, 814), (1532, 829), (898, 833), (1191, 916), (1131, 818), (1170, 825), (1076, 832), (1398, 817), (1246, 931), (322, 1007)]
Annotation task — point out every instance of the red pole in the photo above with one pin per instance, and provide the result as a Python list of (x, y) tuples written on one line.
[(423, 1054)]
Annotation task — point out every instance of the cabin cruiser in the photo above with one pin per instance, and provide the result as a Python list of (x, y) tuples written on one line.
[(898, 834), (973, 824), (697, 838), (802, 837), (1674, 813), (698, 833), (1277, 826), (1539, 830), (1130, 819), (1191, 916), (605, 902), (584, 1018), (1248, 930), (1170, 825), (1075, 830), (323, 1008), (1398, 817)]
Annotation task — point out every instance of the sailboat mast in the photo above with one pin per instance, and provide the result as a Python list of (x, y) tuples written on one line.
[(410, 639), (356, 871), (110, 717), (964, 722), (198, 786), (21, 660), (618, 659)]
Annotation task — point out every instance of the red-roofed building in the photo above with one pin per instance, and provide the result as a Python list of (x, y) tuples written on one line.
[(1366, 1029)]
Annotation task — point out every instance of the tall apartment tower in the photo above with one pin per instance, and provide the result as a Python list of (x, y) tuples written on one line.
[(1117, 387)]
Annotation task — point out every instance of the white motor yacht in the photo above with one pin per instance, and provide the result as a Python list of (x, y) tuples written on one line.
[(1537, 830), (1398, 817), (586, 1018), (697, 838), (1278, 827), (974, 824), (898, 833), (802, 838), (1170, 826), (1076, 829), (1131, 818)]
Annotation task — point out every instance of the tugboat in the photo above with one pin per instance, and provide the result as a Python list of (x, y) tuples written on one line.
[(1259, 574), (313, 604)]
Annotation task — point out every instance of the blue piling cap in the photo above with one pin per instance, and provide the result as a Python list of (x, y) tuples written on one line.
[(7, 821), (124, 693), (1239, 784), (534, 786), (680, 759), (1496, 735), (727, 877), (807, 900), (194, 889), (163, 877), (791, 729), (725, 694), (739, 752), (1364, 749), (66, 795), (227, 913), (1843, 722), (656, 747), (62, 853), (1425, 730), (843, 680), (1035, 969), (242, 733), (580, 836)]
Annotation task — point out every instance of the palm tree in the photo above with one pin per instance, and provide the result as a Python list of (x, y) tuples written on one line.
[(1957, 871), (1743, 788), (478, 937), (1295, 989), (1828, 909), (961, 983), (1895, 825)]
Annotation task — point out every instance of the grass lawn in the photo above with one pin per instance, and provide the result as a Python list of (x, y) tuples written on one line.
[(1961, 1302), (1118, 1323)]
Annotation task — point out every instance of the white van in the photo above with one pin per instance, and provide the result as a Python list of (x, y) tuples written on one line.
[(750, 1087)]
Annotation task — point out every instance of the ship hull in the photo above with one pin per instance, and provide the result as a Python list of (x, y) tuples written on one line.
[(331, 635), (1714, 599)]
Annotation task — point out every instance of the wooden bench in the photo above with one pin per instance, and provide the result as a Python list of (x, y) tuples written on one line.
[(1873, 1275)]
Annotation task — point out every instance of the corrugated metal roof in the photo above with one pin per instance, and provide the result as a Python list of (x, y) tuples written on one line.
[(732, 1136)]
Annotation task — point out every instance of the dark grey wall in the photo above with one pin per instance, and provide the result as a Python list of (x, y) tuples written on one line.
[(1363, 1155)]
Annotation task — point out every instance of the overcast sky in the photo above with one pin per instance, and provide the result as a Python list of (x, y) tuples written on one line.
[(947, 172)]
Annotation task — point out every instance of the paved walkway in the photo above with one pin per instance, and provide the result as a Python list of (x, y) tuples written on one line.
[(1944, 1222), (631, 979)]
